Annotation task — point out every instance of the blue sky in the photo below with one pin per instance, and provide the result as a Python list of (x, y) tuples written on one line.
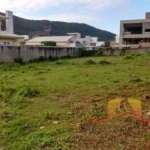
[(102, 14)]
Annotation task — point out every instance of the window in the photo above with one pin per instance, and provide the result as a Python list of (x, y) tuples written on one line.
[(147, 30), (5, 43), (8, 43)]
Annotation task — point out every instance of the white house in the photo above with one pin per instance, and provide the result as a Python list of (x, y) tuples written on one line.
[(62, 41), (70, 40), (90, 43), (8, 38)]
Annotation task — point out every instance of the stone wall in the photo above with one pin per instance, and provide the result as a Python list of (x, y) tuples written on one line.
[(8, 53)]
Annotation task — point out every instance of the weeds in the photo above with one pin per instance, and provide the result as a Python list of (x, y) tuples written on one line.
[(137, 80), (19, 60), (33, 97), (90, 62), (104, 62), (61, 62), (27, 92), (129, 57)]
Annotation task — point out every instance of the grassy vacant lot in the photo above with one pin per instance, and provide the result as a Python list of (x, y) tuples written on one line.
[(50, 105)]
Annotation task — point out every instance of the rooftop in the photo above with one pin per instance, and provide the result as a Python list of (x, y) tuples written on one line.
[(9, 35), (3, 18), (51, 38)]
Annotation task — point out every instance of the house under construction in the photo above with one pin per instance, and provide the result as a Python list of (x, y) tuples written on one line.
[(135, 33)]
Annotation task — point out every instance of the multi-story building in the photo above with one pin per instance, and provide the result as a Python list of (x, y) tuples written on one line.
[(135, 33)]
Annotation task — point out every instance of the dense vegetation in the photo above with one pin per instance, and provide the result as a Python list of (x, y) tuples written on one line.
[(50, 105), (49, 43), (24, 26)]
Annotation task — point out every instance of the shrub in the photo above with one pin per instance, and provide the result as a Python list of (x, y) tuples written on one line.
[(48, 43), (27, 92), (61, 62), (53, 58), (47, 116), (124, 51), (129, 57), (107, 44), (90, 62), (18, 60), (136, 80), (66, 57), (82, 52), (104, 62), (100, 53), (40, 59)]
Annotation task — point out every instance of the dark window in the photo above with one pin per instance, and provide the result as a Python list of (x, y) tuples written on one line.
[(147, 30)]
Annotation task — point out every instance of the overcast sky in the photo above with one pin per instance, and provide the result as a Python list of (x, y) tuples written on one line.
[(102, 14)]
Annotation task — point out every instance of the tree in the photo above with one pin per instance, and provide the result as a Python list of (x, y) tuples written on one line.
[(48, 43)]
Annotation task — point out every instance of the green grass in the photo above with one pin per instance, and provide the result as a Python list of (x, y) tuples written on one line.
[(73, 92)]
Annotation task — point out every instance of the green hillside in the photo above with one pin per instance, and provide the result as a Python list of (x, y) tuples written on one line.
[(24, 26)]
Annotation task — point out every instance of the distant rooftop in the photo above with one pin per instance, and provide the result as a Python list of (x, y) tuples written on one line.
[(3, 18), (51, 38)]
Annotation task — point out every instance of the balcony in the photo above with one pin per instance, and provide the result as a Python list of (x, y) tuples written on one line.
[(145, 35)]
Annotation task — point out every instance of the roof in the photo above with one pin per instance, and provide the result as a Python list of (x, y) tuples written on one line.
[(50, 38), (74, 33), (3, 17), (5, 34)]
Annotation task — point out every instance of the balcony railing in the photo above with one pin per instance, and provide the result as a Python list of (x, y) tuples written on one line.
[(127, 33)]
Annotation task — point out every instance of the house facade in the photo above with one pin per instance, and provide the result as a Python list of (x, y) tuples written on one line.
[(135, 33), (90, 43), (7, 37)]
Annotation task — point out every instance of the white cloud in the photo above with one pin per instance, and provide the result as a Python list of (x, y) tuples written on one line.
[(82, 11), (27, 5)]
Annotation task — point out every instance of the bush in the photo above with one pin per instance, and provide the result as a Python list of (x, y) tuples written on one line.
[(129, 57), (53, 58), (82, 52), (90, 62), (27, 92), (104, 62), (100, 53), (124, 51), (48, 43), (18, 60), (137, 80), (40, 59), (61, 62)]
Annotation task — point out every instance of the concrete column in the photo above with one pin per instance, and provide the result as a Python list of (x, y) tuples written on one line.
[(9, 22), (121, 33), (143, 28), (0, 26)]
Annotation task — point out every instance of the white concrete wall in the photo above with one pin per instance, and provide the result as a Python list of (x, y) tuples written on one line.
[(8, 53), (117, 38)]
